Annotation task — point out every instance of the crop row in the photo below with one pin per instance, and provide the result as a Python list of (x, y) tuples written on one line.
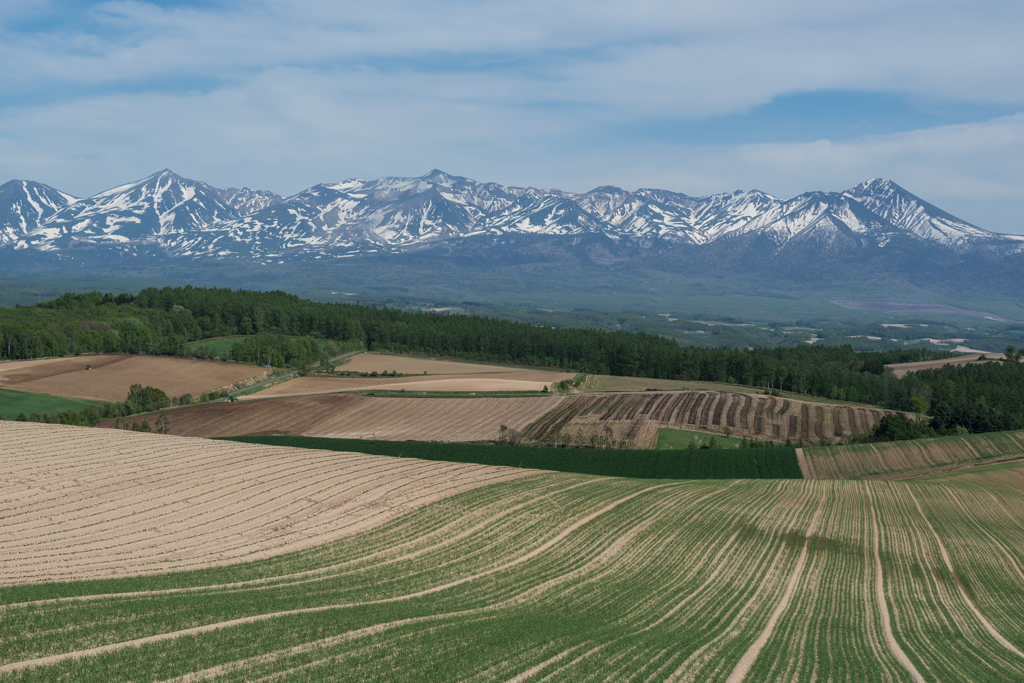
[(565, 577), (82, 502), (763, 417), (899, 459)]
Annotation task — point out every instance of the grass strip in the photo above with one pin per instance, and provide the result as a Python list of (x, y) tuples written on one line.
[(14, 402), (746, 463)]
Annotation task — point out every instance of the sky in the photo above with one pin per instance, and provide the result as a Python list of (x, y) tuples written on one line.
[(785, 97)]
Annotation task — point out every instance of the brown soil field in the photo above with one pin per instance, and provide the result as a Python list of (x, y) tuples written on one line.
[(637, 417), (83, 503), (523, 380), (112, 375), (901, 369), (604, 383), (903, 459), (378, 362), (350, 416)]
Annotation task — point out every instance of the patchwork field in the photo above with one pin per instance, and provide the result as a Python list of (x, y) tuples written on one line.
[(81, 503), (350, 416), (519, 380), (567, 577), (902, 459), (603, 383), (637, 418), (112, 375)]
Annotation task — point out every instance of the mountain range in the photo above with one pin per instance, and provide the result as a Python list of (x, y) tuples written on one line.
[(873, 227)]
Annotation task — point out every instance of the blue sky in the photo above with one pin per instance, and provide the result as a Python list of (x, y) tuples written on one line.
[(784, 97)]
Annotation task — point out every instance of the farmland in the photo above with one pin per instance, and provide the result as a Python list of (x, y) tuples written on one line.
[(112, 375), (902, 459), (674, 439), (12, 403), (636, 418), (80, 503), (404, 365), (348, 416), (524, 380), (609, 383), (569, 577)]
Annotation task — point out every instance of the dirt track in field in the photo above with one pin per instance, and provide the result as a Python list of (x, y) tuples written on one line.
[(901, 369), (359, 417), (112, 375), (86, 503), (522, 380)]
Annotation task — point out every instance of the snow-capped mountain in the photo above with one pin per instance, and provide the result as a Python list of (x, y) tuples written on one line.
[(914, 215), (25, 205), (246, 201), (166, 216), (161, 208)]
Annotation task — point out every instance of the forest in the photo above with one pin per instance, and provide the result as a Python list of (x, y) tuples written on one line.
[(281, 329)]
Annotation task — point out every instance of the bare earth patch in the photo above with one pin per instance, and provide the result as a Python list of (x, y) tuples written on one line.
[(523, 380), (83, 503), (360, 417), (112, 375)]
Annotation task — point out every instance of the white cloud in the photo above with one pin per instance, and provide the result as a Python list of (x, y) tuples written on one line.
[(287, 94)]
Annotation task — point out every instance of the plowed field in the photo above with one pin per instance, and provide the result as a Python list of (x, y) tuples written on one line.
[(112, 375), (562, 577), (348, 416), (404, 365), (636, 418), (80, 503), (902, 459), (524, 380)]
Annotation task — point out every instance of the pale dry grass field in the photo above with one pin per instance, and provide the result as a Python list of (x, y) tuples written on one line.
[(520, 380), (81, 503), (112, 375)]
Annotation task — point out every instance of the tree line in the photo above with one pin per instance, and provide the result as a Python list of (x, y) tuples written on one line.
[(282, 329)]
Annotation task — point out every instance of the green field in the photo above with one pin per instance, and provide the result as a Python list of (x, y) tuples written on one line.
[(14, 402), (565, 577), (747, 463), (902, 459), (678, 439)]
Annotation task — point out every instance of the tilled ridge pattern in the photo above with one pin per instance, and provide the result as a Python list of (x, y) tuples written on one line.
[(113, 374), (638, 417), (81, 503), (570, 578), (348, 416), (901, 459)]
